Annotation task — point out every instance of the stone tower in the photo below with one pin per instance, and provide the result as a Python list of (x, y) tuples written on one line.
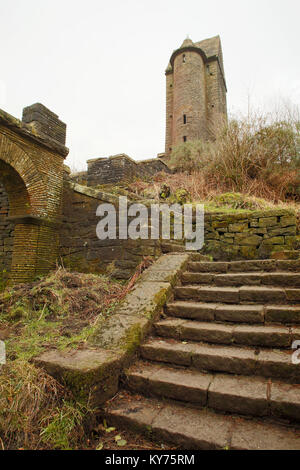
[(196, 92)]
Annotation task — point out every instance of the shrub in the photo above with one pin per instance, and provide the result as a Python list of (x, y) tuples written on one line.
[(258, 156)]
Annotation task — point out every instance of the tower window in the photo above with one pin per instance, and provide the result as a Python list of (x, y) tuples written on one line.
[(184, 119), (183, 58), (184, 138)]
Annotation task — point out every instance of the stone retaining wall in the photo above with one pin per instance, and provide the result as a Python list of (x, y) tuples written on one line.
[(81, 250), (252, 235)]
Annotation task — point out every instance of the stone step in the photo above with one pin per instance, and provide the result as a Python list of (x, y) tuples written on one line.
[(169, 247), (256, 396), (273, 363), (235, 295), (191, 428), (210, 332), (217, 311), (252, 314), (282, 279), (269, 265)]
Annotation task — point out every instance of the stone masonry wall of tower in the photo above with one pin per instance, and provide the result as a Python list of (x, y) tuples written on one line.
[(195, 92)]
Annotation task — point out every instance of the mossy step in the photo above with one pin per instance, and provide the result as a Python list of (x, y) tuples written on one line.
[(235, 295), (264, 362), (269, 265), (287, 279), (210, 332), (241, 313), (256, 396), (191, 428)]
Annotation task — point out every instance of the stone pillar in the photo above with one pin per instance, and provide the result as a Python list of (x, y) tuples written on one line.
[(45, 122)]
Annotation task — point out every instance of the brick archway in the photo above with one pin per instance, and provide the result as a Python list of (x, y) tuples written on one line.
[(21, 174), (31, 172)]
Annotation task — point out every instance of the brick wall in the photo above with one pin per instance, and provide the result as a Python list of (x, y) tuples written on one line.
[(45, 122), (6, 234), (31, 169)]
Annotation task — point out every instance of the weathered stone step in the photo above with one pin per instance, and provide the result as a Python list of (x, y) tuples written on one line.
[(231, 359), (269, 265), (256, 396), (235, 295), (281, 279), (287, 314), (191, 428), (249, 335)]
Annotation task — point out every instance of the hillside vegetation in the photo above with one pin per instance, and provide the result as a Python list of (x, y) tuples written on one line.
[(254, 162), (257, 156)]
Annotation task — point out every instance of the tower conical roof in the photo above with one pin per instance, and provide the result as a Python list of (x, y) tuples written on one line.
[(187, 43)]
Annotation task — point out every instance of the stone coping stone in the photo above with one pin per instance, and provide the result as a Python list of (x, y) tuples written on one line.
[(257, 214), (90, 374), (94, 193), (93, 373)]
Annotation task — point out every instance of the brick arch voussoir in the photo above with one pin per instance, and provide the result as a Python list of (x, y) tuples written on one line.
[(13, 155)]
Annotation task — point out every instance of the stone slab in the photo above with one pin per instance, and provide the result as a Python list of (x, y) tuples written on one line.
[(240, 313), (239, 394), (192, 310)]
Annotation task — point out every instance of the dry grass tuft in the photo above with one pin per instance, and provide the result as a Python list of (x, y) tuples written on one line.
[(30, 401)]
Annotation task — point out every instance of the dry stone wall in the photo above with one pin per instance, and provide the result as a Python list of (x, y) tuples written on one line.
[(252, 235)]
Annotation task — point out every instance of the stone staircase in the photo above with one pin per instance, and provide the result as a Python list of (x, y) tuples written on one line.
[(218, 372)]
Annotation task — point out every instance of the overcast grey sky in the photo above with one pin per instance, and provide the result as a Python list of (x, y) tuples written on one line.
[(100, 64)]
